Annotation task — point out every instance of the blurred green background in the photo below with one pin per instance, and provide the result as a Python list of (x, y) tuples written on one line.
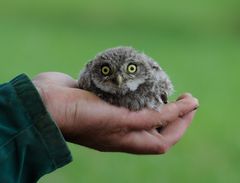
[(196, 42)]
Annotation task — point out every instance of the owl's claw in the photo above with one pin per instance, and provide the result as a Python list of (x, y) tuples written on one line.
[(164, 97)]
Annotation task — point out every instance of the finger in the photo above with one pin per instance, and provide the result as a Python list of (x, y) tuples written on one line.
[(172, 111), (174, 131), (147, 119), (143, 142), (142, 120)]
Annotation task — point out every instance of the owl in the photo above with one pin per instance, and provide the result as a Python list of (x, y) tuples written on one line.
[(125, 77)]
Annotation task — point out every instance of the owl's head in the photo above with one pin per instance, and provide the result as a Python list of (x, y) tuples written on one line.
[(122, 70), (119, 70)]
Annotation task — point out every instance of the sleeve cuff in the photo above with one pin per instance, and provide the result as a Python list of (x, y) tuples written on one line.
[(49, 133)]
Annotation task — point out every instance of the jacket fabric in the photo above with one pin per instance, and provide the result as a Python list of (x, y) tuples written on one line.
[(31, 145)]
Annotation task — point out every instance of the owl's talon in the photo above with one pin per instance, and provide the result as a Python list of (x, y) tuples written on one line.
[(164, 97)]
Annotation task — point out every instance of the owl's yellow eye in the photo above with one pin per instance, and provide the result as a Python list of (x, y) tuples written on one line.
[(105, 70), (132, 68)]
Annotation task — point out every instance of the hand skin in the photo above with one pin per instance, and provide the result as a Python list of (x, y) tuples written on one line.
[(85, 119)]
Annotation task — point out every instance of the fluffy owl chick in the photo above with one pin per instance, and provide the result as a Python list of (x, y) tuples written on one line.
[(125, 77)]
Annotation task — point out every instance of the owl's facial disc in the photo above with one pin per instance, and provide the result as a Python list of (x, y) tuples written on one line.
[(121, 78)]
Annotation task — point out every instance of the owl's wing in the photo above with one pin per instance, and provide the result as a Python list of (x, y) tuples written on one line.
[(164, 82), (84, 81), (162, 79)]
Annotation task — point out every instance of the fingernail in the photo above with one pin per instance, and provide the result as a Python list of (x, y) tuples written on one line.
[(196, 108)]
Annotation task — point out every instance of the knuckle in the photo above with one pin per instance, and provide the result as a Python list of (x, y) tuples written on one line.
[(175, 108), (121, 132), (181, 113), (171, 107)]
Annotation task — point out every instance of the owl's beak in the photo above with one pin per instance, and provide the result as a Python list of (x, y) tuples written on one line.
[(119, 80)]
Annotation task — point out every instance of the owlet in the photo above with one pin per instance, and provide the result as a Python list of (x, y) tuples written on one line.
[(125, 77)]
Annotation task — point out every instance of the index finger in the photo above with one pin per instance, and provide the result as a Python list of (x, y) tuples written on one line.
[(182, 106), (147, 119)]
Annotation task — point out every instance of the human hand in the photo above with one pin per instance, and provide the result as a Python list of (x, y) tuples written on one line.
[(85, 119)]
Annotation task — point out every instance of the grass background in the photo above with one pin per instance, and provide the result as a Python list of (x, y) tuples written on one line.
[(196, 42)]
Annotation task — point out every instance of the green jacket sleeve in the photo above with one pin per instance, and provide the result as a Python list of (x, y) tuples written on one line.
[(31, 145)]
